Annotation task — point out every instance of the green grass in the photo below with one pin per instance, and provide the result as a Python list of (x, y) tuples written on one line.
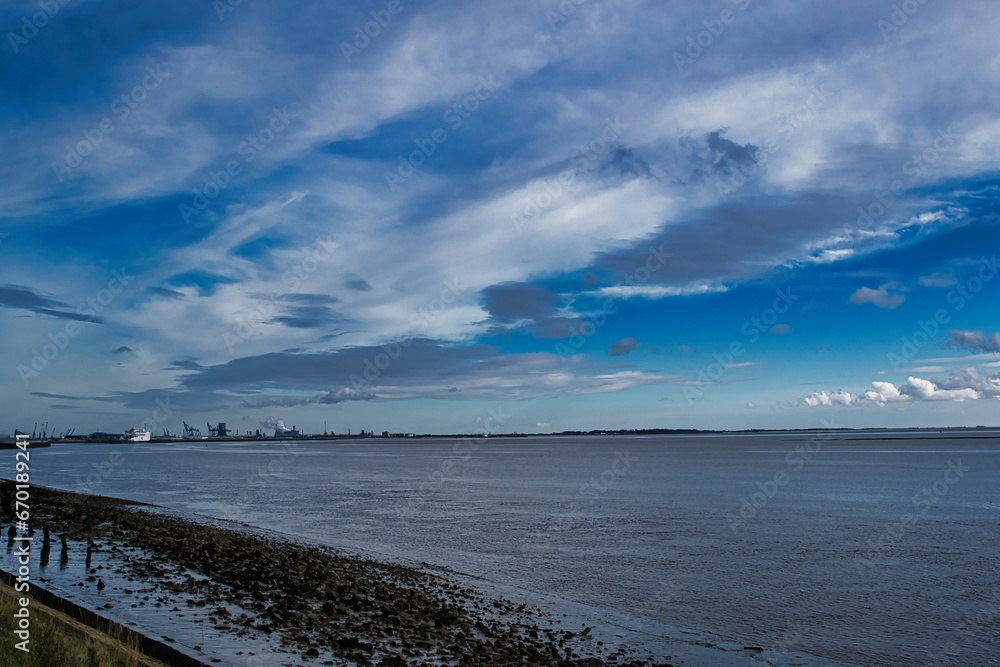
[(57, 641)]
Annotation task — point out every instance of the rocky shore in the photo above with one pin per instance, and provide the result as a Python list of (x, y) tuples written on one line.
[(325, 606)]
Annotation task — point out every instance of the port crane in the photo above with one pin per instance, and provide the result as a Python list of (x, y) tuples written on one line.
[(219, 431)]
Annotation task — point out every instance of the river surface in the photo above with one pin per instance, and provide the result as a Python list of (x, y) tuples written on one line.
[(877, 549)]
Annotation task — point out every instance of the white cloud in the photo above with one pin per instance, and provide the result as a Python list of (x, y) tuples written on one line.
[(882, 393), (887, 296), (833, 398), (938, 279), (829, 256), (971, 358), (658, 291), (963, 385), (925, 390)]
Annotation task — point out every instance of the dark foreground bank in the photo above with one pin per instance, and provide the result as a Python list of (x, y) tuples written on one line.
[(59, 636), (326, 606)]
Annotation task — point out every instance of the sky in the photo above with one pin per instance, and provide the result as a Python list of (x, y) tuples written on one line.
[(448, 217)]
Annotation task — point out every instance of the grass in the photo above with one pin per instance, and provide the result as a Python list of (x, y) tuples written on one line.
[(59, 641)]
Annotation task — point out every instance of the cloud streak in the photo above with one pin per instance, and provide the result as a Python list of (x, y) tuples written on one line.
[(26, 298)]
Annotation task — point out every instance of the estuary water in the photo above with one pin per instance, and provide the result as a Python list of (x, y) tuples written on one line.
[(874, 549)]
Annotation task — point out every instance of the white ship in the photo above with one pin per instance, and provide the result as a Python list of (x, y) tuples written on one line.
[(133, 435)]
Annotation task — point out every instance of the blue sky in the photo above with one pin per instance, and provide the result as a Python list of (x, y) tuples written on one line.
[(525, 216)]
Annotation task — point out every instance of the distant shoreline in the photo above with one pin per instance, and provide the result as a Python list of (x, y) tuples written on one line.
[(971, 431)]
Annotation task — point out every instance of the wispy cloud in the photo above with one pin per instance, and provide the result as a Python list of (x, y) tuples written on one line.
[(25, 298)]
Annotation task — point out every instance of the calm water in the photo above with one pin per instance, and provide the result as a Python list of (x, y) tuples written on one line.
[(840, 553)]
